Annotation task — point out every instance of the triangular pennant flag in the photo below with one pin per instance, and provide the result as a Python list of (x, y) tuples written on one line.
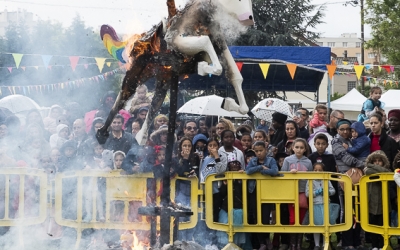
[(9, 69), (359, 70), (108, 64), (386, 67), (23, 67), (36, 67), (331, 70), (239, 65), (46, 59), (17, 59), (74, 61), (379, 68), (345, 63), (49, 67), (264, 68), (391, 68), (292, 69), (100, 62), (85, 65)]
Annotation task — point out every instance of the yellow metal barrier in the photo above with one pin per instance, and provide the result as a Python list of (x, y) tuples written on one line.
[(278, 190), (70, 196), (386, 230), (23, 197), (195, 192)]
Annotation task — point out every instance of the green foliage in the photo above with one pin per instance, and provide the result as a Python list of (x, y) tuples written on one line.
[(282, 23), (336, 96)]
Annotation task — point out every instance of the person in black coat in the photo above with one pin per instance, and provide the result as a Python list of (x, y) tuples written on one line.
[(278, 122)]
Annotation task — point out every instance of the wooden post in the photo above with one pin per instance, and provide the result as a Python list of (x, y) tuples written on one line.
[(165, 222), (171, 8)]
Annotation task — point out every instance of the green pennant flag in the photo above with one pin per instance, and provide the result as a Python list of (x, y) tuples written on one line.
[(17, 59)]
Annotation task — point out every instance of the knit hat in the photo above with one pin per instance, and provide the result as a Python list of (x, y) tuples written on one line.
[(395, 113), (343, 121), (279, 118)]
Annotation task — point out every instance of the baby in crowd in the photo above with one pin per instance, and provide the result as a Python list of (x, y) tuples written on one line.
[(371, 104), (360, 142), (318, 122)]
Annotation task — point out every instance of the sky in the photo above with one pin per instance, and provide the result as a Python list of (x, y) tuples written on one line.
[(136, 16)]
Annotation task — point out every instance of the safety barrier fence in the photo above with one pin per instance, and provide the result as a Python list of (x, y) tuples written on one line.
[(372, 189), (283, 189), (22, 197)]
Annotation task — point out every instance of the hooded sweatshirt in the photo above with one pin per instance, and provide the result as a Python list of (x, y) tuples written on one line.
[(360, 145), (303, 164), (55, 140)]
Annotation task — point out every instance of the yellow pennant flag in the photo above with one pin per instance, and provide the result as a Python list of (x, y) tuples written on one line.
[(379, 68), (292, 69), (331, 70), (108, 64), (17, 59), (345, 63), (100, 62), (264, 68), (358, 69)]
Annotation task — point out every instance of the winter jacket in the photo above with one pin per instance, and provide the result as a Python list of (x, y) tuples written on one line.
[(367, 108), (303, 164), (236, 151), (375, 188), (388, 146), (55, 140), (317, 184), (254, 167), (344, 160), (278, 136), (360, 145), (210, 166), (119, 144)]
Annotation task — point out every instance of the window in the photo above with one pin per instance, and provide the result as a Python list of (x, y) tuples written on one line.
[(344, 44), (331, 44), (351, 85), (371, 55), (358, 44), (358, 55)]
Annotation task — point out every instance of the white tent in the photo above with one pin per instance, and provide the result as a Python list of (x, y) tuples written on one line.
[(352, 101), (391, 99)]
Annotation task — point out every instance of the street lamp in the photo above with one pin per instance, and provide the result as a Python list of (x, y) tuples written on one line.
[(355, 3)]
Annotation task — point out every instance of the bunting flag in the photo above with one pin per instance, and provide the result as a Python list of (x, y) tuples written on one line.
[(386, 67), (345, 63), (74, 61), (292, 69), (358, 69), (331, 70), (86, 65), (23, 68), (17, 59), (46, 59), (239, 65), (379, 68), (36, 67), (391, 68), (108, 64), (264, 68), (9, 69), (100, 62)]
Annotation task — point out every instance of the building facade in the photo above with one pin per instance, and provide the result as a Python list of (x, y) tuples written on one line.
[(10, 17)]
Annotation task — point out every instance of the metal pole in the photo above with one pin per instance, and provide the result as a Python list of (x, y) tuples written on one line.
[(165, 220), (362, 44)]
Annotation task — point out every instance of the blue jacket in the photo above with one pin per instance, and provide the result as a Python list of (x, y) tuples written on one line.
[(253, 167), (360, 145)]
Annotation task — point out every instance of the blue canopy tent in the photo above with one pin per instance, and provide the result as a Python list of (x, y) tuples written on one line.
[(310, 70)]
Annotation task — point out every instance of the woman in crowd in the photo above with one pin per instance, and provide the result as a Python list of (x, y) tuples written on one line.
[(291, 133), (202, 125), (159, 121), (394, 124), (345, 161), (159, 137), (380, 140)]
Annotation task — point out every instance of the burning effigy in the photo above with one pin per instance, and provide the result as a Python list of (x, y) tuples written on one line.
[(192, 40)]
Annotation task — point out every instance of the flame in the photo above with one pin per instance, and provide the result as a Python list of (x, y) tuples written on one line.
[(186, 77), (167, 67), (130, 240)]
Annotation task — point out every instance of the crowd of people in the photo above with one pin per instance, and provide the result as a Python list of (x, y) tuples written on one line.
[(320, 140)]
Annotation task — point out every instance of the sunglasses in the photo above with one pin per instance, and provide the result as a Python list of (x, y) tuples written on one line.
[(191, 128)]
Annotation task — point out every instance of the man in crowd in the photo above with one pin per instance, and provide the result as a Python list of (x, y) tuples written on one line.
[(302, 122), (118, 138), (190, 129), (335, 116), (263, 126)]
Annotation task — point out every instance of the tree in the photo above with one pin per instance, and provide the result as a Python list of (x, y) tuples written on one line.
[(282, 23), (384, 19)]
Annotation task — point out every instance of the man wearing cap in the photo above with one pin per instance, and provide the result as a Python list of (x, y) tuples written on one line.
[(142, 113), (278, 122)]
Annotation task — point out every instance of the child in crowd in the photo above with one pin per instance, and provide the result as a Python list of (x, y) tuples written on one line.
[(140, 100), (237, 212), (279, 158), (371, 104), (360, 142), (266, 166), (249, 154), (318, 200), (214, 163), (230, 151), (57, 139), (246, 141), (297, 162), (261, 135), (118, 158), (376, 162), (318, 122), (200, 145)]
